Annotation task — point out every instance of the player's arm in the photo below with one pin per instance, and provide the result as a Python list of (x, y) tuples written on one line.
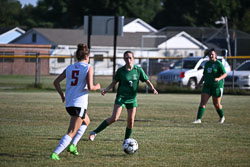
[(152, 87), (113, 83), (57, 85), (200, 83), (91, 85), (221, 77), (224, 73)]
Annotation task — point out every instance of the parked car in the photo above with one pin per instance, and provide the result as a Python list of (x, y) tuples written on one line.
[(241, 76), (156, 66), (187, 72)]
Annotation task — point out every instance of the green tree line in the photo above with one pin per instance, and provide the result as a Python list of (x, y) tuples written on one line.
[(158, 13)]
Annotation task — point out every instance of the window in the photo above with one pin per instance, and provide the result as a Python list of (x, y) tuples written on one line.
[(61, 60), (29, 59), (98, 58), (202, 65), (187, 64), (244, 67), (6, 59)]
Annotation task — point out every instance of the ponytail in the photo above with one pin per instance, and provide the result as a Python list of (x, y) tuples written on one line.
[(82, 51)]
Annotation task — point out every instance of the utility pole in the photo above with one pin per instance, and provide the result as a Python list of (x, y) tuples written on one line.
[(225, 22)]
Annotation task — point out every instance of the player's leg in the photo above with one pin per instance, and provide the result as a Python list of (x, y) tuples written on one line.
[(75, 123), (82, 112), (217, 96), (81, 130), (130, 122), (202, 107), (72, 147), (115, 116)]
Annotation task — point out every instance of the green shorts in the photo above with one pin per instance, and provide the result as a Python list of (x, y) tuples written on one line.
[(128, 103), (215, 92)]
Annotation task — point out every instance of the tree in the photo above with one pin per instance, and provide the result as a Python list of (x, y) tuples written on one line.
[(198, 13), (159, 13), (69, 13), (9, 13), (245, 21)]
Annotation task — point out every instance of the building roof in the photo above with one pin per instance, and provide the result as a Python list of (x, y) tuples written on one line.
[(9, 34), (206, 32), (211, 37), (134, 25), (129, 40), (75, 36), (137, 25), (215, 37)]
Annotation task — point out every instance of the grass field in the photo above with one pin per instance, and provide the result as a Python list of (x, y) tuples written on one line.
[(32, 123)]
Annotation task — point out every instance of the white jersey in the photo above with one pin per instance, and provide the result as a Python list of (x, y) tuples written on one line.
[(76, 94)]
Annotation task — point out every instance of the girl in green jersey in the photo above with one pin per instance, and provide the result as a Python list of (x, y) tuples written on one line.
[(213, 75), (128, 78)]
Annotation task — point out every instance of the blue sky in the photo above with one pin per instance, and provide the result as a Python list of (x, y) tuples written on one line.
[(26, 2)]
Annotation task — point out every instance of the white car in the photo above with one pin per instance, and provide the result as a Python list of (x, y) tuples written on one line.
[(241, 76), (187, 72)]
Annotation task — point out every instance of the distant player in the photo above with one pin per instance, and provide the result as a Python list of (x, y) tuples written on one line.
[(213, 75), (79, 79), (128, 78)]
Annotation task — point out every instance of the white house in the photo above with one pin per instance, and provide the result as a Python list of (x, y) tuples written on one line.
[(137, 25), (139, 37), (182, 45)]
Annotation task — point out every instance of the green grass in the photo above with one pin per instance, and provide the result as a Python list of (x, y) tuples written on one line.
[(45, 83), (25, 82), (32, 124)]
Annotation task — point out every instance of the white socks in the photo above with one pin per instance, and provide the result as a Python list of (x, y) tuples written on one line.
[(79, 134), (66, 139)]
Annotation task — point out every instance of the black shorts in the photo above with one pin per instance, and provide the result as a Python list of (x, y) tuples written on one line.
[(76, 111)]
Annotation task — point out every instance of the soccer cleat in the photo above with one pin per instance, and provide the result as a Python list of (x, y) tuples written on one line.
[(54, 156), (73, 149), (198, 121), (221, 121), (92, 136)]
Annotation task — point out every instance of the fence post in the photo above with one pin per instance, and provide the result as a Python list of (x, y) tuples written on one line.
[(36, 70)]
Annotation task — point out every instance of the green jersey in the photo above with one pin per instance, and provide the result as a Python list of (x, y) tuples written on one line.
[(212, 70), (129, 81)]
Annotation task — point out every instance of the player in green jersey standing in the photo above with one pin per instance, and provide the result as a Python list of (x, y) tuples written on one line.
[(128, 78), (213, 75)]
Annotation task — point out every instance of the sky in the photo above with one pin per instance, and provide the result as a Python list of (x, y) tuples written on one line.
[(26, 2)]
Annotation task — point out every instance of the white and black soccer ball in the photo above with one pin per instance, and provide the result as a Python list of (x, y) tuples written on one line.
[(130, 146)]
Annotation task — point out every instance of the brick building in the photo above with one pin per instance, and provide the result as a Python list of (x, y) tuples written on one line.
[(16, 59)]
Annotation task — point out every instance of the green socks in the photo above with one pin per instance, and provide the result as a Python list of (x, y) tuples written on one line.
[(102, 126), (128, 133), (201, 112), (220, 112)]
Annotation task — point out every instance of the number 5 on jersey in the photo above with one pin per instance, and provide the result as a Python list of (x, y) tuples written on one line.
[(75, 75)]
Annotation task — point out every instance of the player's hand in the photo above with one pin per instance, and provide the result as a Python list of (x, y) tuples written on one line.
[(217, 79), (198, 86), (103, 92), (63, 98), (155, 91), (98, 86)]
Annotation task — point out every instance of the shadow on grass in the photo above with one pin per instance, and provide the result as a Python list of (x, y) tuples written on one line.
[(54, 138), (18, 156), (114, 155)]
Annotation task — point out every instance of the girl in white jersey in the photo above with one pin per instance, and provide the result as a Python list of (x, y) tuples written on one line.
[(79, 79)]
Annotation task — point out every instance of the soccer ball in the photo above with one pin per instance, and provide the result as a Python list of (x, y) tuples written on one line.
[(130, 146)]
